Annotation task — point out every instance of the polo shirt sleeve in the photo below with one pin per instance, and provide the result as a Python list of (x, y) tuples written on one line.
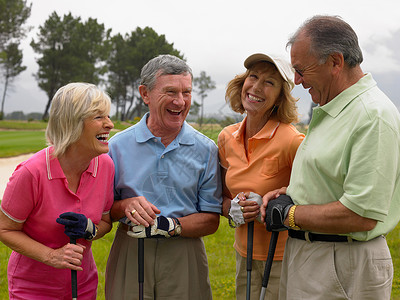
[(18, 200), (294, 145), (210, 191), (372, 159)]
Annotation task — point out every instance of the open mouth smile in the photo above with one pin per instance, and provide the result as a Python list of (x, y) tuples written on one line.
[(174, 112), (103, 137), (254, 98)]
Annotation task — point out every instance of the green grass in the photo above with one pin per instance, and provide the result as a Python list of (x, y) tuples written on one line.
[(20, 142), (22, 125), (220, 252), (221, 260)]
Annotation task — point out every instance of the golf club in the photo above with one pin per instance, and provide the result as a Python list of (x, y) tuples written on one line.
[(74, 281), (250, 232), (141, 266), (268, 264)]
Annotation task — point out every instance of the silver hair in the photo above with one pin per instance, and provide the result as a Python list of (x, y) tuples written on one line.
[(162, 65), (330, 34)]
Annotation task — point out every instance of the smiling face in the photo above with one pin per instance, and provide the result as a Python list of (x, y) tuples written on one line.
[(94, 138), (314, 76), (169, 103), (261, 89)]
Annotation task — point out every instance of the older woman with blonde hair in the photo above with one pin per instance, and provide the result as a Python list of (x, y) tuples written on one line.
[(63, 191), (256, 157)]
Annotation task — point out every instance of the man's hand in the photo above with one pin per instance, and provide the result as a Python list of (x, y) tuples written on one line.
[(77, 225), (268, 197), (139, 211), (276, 213), (163, 227)]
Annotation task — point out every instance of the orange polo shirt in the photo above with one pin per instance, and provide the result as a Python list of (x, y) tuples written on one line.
[(266, 167)]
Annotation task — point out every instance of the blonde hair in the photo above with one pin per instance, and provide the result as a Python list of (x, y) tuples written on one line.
[(71, 105), (285, 109)]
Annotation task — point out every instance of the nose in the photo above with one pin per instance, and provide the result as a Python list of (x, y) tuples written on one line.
[(297, 78), (179, 99), (257, 85), (109, 124)]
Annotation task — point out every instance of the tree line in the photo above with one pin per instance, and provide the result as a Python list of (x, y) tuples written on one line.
[(70, 49)]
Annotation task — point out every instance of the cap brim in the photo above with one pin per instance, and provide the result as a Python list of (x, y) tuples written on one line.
[(284, 68)]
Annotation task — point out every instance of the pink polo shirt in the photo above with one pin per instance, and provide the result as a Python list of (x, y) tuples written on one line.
[(36, 194)]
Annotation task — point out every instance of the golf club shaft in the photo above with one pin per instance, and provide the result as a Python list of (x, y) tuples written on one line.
[(74, 281), (250, 233), (141, 266), (268, 264)]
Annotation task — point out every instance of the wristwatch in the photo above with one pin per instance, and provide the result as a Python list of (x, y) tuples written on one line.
[(292, 223)]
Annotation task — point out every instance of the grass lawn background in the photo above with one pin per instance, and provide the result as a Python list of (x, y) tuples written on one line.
[(221, 255)]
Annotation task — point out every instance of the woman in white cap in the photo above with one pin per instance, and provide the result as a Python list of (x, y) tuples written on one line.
[(256, 157)]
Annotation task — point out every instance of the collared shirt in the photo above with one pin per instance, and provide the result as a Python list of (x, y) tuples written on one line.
[(265, 167), (180, 179), (351, 153), (36, 195)]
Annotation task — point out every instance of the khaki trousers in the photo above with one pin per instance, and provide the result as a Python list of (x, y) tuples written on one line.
[(334, 271), (257, 273), (174, 268)]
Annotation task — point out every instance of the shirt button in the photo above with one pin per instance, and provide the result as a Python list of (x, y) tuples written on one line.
[(155, 140), (162, 156)]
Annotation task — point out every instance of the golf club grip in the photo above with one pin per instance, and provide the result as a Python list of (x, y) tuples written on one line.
[(250, 233), (270, 258), (74, 281)]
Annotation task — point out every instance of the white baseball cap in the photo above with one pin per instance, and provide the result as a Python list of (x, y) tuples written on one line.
[(284, 68)]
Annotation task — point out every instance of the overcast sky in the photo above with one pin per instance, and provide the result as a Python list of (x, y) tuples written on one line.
[(216, 36)]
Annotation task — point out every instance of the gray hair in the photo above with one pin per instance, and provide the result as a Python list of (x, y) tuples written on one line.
[(162, 65), (330, 34), (71, 105)]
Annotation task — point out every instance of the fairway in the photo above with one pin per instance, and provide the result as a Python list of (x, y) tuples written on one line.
[(219, 246), (14, 142)]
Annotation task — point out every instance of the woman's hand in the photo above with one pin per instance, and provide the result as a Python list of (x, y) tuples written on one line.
[(67, 257), (249, 208)]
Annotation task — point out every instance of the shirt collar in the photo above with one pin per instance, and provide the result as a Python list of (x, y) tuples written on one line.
[(143, 133), (337, 104), (267, 132), (54, 169)]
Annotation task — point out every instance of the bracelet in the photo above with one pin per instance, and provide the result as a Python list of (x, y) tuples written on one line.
[(292, 223)]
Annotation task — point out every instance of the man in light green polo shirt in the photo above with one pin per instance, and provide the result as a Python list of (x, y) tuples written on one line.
[(345, 177)]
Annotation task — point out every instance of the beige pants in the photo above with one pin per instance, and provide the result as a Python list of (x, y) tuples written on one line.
[(335, 271), (257, 273), (174, 268)]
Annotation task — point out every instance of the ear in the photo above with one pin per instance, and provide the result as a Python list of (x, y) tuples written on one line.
[(144, 92), (337, 62)]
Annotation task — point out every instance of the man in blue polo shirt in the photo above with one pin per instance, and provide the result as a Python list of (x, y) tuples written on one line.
[(167, 190), (345, 177)]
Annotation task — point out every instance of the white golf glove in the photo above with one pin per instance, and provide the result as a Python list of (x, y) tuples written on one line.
[(235, 211), (163, 227)]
